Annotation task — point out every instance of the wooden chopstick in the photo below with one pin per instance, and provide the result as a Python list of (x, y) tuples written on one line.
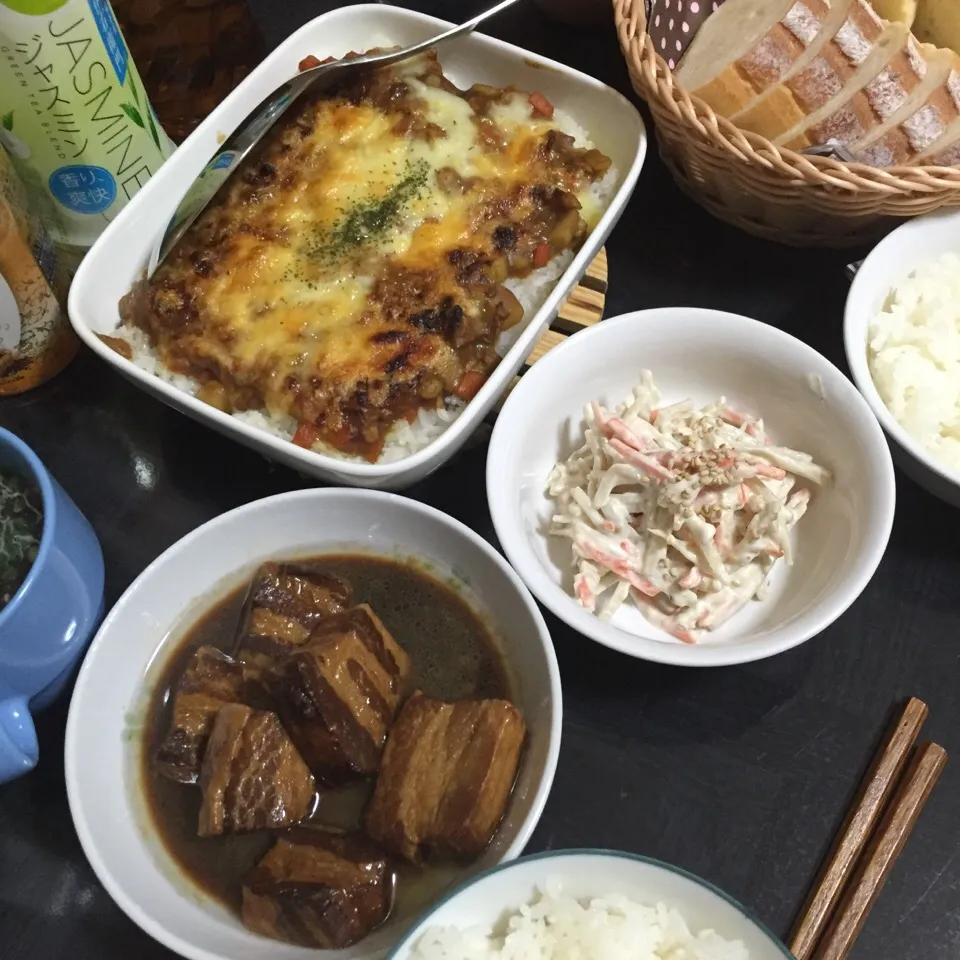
[(926, 765), (875, 790)]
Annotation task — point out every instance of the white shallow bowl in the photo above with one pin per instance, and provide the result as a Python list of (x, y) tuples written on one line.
[(597, 873), (120, 255), (700, 355), (898, 254), (108, 707)]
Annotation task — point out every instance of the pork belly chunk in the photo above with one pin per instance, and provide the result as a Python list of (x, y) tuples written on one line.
[(318, 888), (446, 776), (338, 695), (210, 680), (252, 777), (285, 602)]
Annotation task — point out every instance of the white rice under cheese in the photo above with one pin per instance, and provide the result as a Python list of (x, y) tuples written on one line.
[(913, 350), (559, 927)]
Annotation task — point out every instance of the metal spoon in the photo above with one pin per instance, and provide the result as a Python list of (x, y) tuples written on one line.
[(252, 129)]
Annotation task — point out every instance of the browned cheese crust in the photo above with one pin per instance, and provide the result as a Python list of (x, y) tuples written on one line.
[(351, 272)]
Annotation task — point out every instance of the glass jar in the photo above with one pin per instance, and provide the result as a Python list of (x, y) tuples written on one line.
[(190, 53)]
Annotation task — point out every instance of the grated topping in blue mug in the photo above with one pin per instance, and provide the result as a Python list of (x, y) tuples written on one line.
[(21, 525)]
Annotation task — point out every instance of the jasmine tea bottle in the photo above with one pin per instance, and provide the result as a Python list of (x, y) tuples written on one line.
[(74, 116)]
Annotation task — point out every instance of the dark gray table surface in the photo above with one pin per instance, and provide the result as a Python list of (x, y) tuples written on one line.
[(740, 775)]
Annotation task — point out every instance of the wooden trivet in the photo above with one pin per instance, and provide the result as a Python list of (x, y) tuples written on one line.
[(583, 308)]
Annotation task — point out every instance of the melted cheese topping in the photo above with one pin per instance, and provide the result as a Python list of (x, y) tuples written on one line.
[(289, 299)]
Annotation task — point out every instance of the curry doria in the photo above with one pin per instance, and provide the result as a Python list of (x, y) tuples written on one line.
[(353, 273)]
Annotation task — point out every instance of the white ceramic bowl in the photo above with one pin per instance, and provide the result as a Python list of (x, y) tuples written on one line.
[(597, 873), (107, 710), (120, 255), (900, 252), (701, 355)]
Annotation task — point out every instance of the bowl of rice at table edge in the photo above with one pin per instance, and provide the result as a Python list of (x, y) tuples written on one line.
[(589, 905), (902, 340)]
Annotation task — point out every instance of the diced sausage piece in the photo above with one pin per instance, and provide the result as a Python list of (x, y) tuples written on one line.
[(338, 694), (252, 777), (317, 888), (446, 776), (285, 602), (210, 680)]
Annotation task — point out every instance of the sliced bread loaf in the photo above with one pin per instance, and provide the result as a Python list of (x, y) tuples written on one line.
[(768, 47), (944, 151), (862, 41), (769, 60), (922, 119), (733, 30), (869, 100)]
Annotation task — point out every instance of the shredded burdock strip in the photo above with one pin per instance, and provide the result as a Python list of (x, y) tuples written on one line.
[(683, 510)]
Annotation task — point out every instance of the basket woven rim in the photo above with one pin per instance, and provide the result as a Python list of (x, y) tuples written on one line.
[(651, 70)]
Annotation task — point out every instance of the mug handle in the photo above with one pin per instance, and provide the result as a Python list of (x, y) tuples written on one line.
[(19, 750)]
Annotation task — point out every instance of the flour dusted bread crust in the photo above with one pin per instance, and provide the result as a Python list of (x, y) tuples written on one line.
[(852, 57), (784, 46), (836, 16), (709, 67), (938, 22), (923, 118), (805, 72), (867, 100), (945, 152)]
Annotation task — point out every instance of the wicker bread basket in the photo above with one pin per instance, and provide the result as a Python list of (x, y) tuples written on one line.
[(768, 191)]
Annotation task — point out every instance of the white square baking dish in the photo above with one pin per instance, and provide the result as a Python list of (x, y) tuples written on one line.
[(119, 257)]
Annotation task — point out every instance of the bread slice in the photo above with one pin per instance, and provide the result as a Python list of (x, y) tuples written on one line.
[(733, 30), (828, 83), (771, 58), (903, 11), (943, 152), (835, 18), (871, 102), (922, 119), (856, 42), (938, 22)]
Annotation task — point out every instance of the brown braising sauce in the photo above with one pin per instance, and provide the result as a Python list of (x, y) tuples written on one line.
[(454, 657)]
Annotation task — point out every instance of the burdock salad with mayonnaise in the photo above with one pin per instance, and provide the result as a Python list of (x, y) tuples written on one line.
[(684, 511)]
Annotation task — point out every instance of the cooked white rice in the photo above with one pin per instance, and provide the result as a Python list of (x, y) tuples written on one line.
[(405, 438), (558, 927), (914, 356)]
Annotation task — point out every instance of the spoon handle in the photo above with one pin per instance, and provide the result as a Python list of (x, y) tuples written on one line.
[(468, 27), (248, 133)]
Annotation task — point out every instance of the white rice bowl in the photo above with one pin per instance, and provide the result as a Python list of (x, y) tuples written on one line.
[(913, 351), (405, 439), (559, 927)]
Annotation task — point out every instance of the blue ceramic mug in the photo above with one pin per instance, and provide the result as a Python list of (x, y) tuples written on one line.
[(45, 627)]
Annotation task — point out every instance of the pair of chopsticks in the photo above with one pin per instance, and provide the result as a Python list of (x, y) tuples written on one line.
[(874, 833)]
